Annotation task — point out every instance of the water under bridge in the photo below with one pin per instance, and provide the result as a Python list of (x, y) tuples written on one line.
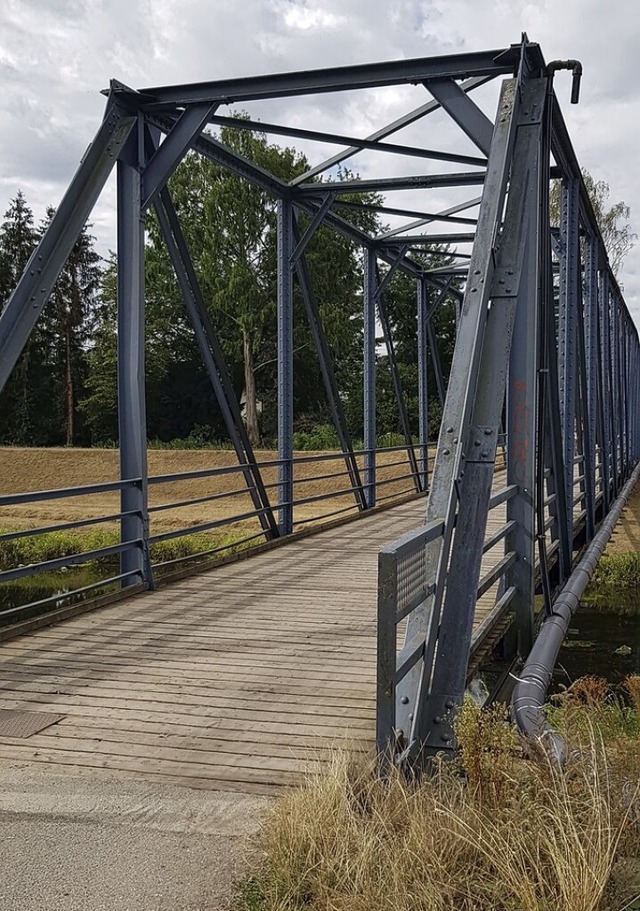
[(362, 623)]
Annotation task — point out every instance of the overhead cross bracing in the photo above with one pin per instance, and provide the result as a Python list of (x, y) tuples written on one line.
[(546, 358)]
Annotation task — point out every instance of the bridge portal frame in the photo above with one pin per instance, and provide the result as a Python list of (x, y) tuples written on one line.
[(145, 134)]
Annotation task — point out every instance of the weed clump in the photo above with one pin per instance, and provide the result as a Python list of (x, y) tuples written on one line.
[(493, 830)]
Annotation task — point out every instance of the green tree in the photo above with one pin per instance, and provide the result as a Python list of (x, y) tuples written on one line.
[(613, 220), (401, 301), (70, 316), (18, 400)]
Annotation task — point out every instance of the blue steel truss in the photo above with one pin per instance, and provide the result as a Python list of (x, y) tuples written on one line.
[(545, 371)]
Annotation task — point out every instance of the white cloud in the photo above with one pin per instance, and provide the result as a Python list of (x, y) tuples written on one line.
[(56, 55)]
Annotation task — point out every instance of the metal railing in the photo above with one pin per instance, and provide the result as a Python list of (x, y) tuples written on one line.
[(226, 521), (404, 586)]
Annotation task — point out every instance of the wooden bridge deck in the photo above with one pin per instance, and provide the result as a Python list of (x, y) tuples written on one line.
[(240, 678)]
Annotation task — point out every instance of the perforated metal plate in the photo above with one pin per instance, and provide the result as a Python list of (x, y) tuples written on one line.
[(15, 723)]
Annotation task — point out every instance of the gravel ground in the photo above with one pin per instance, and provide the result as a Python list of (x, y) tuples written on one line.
[(91, 844)]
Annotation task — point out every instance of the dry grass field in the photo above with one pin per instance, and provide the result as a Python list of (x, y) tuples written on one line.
[(45, 469)]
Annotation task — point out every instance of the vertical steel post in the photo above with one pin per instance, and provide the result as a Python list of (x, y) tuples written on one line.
[(591, 356), (423, 395), (605, 337), (567, 314), (522, 389), (285, 366), (131, 379), (370, 283)]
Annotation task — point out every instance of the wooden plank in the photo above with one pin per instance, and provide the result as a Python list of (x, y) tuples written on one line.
[(240, 677)]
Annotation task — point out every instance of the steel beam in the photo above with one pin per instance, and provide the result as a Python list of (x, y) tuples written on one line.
[(336, 79), (410, 182), (302, 242), (446, 215), (590, 302), (27, 301), (477, 433), (522, 420), (328, 374), (463, 111), (397, 384), (423, 391), (567, 341), (132, 424), (369, 403), (168, 156), (424, 622), (399, 124), (317, 136), (285, 366), (214, 360)]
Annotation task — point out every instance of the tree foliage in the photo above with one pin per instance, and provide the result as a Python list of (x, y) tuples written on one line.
[(40, 403), (613, 220)]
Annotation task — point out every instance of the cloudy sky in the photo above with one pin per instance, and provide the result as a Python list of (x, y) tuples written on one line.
[(56, 55)]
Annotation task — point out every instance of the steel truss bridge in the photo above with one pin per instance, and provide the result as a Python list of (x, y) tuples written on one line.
[(536, 452)]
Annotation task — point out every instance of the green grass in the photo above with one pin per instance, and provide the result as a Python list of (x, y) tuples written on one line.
[(616, 571), (54, 545)]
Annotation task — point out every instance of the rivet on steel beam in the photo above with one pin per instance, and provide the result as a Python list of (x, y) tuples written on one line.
[(449, 703), (446, 738), (488, 431), (449, 429), (437, 719), (405, 700), (446, 452)]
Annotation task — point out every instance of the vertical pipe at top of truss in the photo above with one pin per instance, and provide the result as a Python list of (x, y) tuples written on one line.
[(285, 366), (369, 404), (131, 379)]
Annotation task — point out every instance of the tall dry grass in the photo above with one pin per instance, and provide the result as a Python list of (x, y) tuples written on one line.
[(493, 831)]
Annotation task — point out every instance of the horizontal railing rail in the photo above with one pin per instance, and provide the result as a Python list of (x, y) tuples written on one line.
[(194, 517)]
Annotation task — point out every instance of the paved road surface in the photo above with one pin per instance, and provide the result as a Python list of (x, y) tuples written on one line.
[(84, 843)]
